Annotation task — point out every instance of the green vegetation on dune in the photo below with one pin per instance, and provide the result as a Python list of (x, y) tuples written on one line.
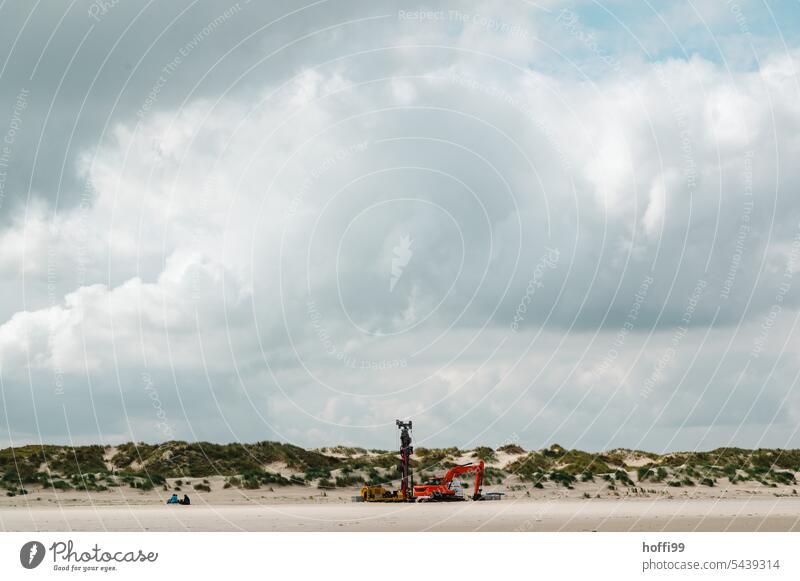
[(146, 466), (24, 463), (531, 466), (577, 462), (348, 451), (173, 459), (434, 459), (767, 466), (484, 453), (511, 449)]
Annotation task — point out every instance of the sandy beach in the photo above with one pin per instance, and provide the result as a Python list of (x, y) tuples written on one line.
[(756, 514)]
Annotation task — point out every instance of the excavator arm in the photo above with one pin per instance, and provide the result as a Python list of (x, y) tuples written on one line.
[(478, 483), (478, 469)]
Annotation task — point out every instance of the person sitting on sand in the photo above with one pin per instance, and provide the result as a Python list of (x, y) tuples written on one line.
[(186, 499), (174, 499)]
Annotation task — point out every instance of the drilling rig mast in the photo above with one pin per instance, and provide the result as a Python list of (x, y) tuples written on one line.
[(407, 480), (376, 492)]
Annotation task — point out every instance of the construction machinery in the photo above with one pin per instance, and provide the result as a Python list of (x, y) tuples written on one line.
[(406, 479), (436, 490), (377, 493), (440, 489)]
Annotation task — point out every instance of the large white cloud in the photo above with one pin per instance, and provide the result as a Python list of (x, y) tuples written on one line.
[(310, 259)]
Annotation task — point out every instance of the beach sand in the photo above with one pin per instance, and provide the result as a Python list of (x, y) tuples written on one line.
[(755, 514)]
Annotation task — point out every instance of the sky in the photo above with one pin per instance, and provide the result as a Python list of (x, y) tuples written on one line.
[(530, 222)]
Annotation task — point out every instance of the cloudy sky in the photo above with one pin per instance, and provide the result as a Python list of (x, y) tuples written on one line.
[(533, 222)]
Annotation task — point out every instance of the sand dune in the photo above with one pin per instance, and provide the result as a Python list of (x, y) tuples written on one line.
[(547, 490)]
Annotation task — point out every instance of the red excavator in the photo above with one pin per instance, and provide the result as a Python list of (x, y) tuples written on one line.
[(439, 490)]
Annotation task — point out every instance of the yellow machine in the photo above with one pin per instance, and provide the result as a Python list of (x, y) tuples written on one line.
[(378, 493)]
